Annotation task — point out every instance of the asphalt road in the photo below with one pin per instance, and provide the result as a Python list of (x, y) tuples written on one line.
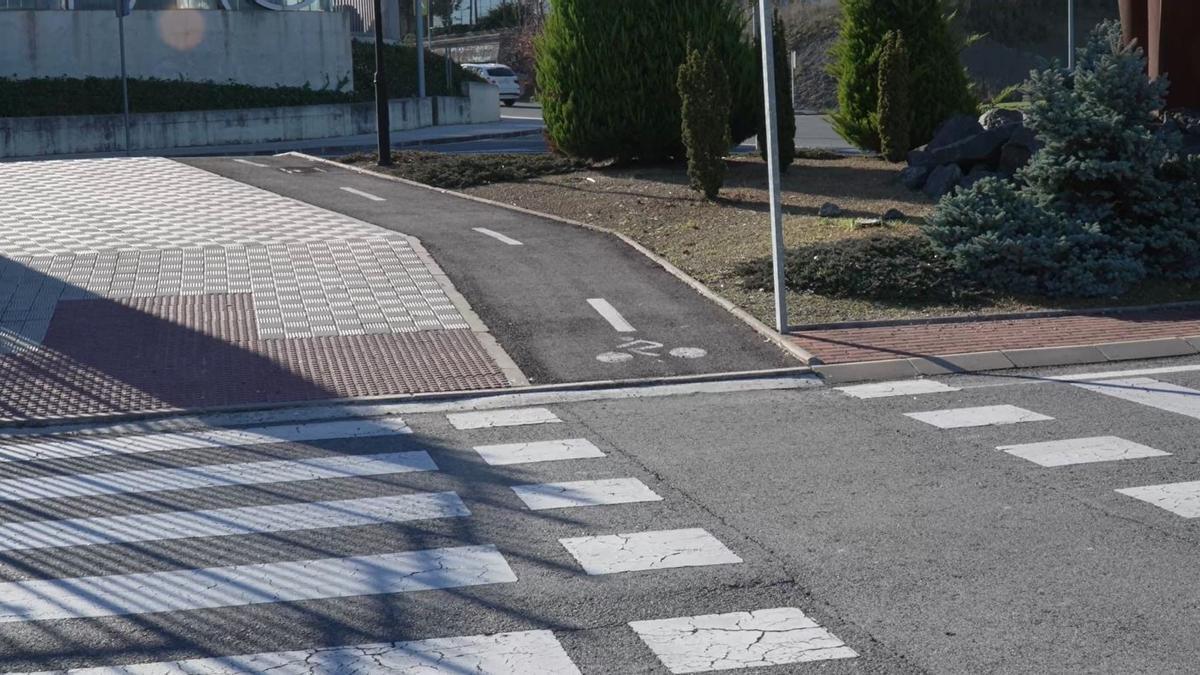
[(923, 549), (567, 304)]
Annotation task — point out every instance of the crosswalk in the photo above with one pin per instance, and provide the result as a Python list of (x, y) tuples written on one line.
[(289, 497), (1181, 499)]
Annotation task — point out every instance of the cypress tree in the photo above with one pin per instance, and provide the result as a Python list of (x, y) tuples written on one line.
[(895, 115), (938, 85), (704, 92), (785, 111)]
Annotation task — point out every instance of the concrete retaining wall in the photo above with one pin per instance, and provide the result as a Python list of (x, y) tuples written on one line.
[(266, 49), (85, 134)]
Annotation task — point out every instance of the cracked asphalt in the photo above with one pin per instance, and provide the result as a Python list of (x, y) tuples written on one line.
[(922, 549)]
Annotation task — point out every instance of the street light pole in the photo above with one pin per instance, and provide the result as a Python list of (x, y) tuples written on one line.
[(420, 48), (383, 121), (766, 26), (124, 8), (1071, 35)]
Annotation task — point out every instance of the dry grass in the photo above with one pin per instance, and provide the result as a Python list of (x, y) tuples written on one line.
[(654, 206)]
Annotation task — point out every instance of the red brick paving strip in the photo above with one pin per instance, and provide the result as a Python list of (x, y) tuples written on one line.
[(849, 345), (102, 356)]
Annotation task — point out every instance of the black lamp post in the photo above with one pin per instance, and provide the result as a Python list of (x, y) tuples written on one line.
[(382, 119)]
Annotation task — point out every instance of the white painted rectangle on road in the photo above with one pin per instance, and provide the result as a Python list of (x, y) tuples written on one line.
[(897, 388), (364, 195), (515, 417), (520, 653), (611, 315), (1081, 451), (635, 551), (250, 163), (497, 236), (1150, 392), (585, 493), (89, 446), (180, 590), (983, 416), (38, 534), (538, 451), (767, 637), (213, 475), (1182, 499)]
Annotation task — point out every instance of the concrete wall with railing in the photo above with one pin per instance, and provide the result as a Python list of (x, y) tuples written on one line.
[(267, 49), (34, 137)]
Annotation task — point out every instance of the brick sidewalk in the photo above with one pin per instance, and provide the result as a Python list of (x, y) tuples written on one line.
[(939, 339), (141, 284)]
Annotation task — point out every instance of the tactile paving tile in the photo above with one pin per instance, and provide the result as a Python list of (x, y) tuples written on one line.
[(185, 369)]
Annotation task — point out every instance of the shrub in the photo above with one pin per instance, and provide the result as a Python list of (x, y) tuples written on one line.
[(704, 93), (785, 112), (1103, 205), (894, 110), (938, 85), (461, 171), (876, 267), (606, 73)]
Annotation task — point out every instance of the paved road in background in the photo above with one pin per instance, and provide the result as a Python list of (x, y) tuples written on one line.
[(568, 304), (999, 523)]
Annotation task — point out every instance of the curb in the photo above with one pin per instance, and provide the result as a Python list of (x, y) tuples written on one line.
[(781, 341), (384, 399), (446, 140), (1009, 316), (1104, 352)]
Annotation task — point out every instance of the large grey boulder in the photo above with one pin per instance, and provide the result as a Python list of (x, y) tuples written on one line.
[(977, 174), (942, 180), (913, 177), (954, 130), (1001, 117), (1017, 152), (982, 147)]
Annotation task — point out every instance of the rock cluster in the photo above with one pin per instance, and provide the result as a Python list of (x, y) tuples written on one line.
[(965, 150)]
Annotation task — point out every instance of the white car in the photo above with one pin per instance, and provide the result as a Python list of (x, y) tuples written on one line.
[(500, 75)]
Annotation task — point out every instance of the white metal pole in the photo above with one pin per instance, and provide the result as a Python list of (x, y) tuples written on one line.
[(124, 79), (420, 48), (766, 25), (1071, 35)]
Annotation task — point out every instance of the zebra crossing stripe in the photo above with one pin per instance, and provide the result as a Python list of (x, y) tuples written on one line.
[(85, 446), (39, 534), (1150, 392), (181, 590), (585, 493), (216, 475), (636, 551), (520, 653), (488, 419)]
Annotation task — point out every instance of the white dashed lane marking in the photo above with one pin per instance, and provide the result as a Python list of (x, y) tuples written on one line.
[(1081, 451), (1150, 392), (648, 551), (538, 451), (291, 581), (215, 475), (486, 419), (1182, 499), (767, 637), (991, 415), (611, 315), (497, 236), (899, 388), (228, 522), (250, 163), (364, 195), (585, 493), (535, 651), (87, 446)]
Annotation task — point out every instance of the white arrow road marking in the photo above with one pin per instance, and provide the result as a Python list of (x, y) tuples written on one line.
[(611, 315), (497, 236)]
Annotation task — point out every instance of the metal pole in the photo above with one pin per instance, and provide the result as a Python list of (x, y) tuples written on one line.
[(383, 121), (449, 81), (124, 78), (1071, 35), (420, 48), (766, 26)]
